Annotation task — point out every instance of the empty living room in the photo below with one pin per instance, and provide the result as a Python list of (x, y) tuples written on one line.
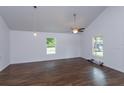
[(61, 46)]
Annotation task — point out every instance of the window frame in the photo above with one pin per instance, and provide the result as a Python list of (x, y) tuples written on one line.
[(93, 43), (47, 46)]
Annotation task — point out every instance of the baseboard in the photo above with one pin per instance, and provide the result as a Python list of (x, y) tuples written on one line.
[(1, 69), (110, 67), (45, 60), (119, 70)]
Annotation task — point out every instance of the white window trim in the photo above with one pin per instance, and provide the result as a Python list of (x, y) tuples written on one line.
[(46, 46), (93, 53)]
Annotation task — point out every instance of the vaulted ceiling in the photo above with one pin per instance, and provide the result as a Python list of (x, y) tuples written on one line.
[(48, 18)]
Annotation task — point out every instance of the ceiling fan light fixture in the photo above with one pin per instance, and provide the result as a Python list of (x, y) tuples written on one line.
[(75, 30)]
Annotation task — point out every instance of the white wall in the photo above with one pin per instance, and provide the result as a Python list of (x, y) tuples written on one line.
[(4, 45), (110, 24), (24, 47)]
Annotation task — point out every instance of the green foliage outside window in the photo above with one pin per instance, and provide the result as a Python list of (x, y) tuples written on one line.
[(51, 42)]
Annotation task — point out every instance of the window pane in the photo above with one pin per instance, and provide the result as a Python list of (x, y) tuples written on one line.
[(51, 46), (98, 46)]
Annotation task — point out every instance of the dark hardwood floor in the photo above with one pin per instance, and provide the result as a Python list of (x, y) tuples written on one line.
[(67, 72)]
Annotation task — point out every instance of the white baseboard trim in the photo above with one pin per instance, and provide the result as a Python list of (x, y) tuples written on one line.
[(42, 60), (1, 69), (108, 66)]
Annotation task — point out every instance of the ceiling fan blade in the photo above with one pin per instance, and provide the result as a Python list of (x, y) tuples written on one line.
[(81, 29)]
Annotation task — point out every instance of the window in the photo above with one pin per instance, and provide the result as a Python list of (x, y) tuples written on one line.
[(51, 46), (98, 46)]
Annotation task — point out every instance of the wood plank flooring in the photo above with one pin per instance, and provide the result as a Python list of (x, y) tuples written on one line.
[(66, 72)]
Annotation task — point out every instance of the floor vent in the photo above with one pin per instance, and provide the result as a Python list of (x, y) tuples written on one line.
[(95, 62)]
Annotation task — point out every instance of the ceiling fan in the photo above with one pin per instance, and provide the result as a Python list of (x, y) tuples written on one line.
[(75, 28)]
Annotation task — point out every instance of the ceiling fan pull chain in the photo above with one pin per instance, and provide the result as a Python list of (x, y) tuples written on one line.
[(74, 19)]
